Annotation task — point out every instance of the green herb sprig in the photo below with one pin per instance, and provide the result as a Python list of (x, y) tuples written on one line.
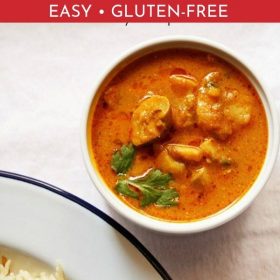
[(123, 158), (152, 187)]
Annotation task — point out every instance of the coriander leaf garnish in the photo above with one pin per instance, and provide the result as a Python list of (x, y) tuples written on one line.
[(150, 195), (168, 198), (123, 188), (123, 158), (154, 178), (153, 187)]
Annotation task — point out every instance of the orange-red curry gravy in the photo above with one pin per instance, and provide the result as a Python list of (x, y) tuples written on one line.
[(189, 114)]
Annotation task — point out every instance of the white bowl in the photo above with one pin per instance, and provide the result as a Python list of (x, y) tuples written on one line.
[(272, 149), (54, 227)]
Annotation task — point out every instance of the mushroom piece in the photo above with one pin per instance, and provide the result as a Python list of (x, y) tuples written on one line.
[(221, 111), (210, 84), (213, 151), (185, 81), (183, 113), (209, 107), (184, 152), (238, 114), (209, 112), (237, 108), (210, 149), (200, 177), (150, 119), (168, 164)]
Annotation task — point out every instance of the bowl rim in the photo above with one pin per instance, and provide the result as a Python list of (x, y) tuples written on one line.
[(225, 214)]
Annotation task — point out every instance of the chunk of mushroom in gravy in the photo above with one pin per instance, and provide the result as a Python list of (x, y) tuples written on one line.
[(150, 119), (183, 112), (221, 112)]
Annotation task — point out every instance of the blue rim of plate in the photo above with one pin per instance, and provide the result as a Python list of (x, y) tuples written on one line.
[(133, 240)]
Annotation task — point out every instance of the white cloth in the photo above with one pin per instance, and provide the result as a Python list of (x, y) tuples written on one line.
[(46, 75)]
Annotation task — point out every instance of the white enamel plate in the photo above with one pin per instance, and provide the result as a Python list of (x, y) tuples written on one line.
[(58, 227)]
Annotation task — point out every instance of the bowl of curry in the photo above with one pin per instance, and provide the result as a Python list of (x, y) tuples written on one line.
[(179, 135)]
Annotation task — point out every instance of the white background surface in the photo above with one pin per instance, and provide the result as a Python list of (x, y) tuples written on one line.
[(47, 73)]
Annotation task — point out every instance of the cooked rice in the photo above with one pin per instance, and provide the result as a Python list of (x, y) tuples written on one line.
[(6, 274)]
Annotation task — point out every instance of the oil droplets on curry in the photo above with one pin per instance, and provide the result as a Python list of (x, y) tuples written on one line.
[(178, 134)]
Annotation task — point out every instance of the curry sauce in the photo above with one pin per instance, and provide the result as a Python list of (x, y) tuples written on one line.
[(189, 114)]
